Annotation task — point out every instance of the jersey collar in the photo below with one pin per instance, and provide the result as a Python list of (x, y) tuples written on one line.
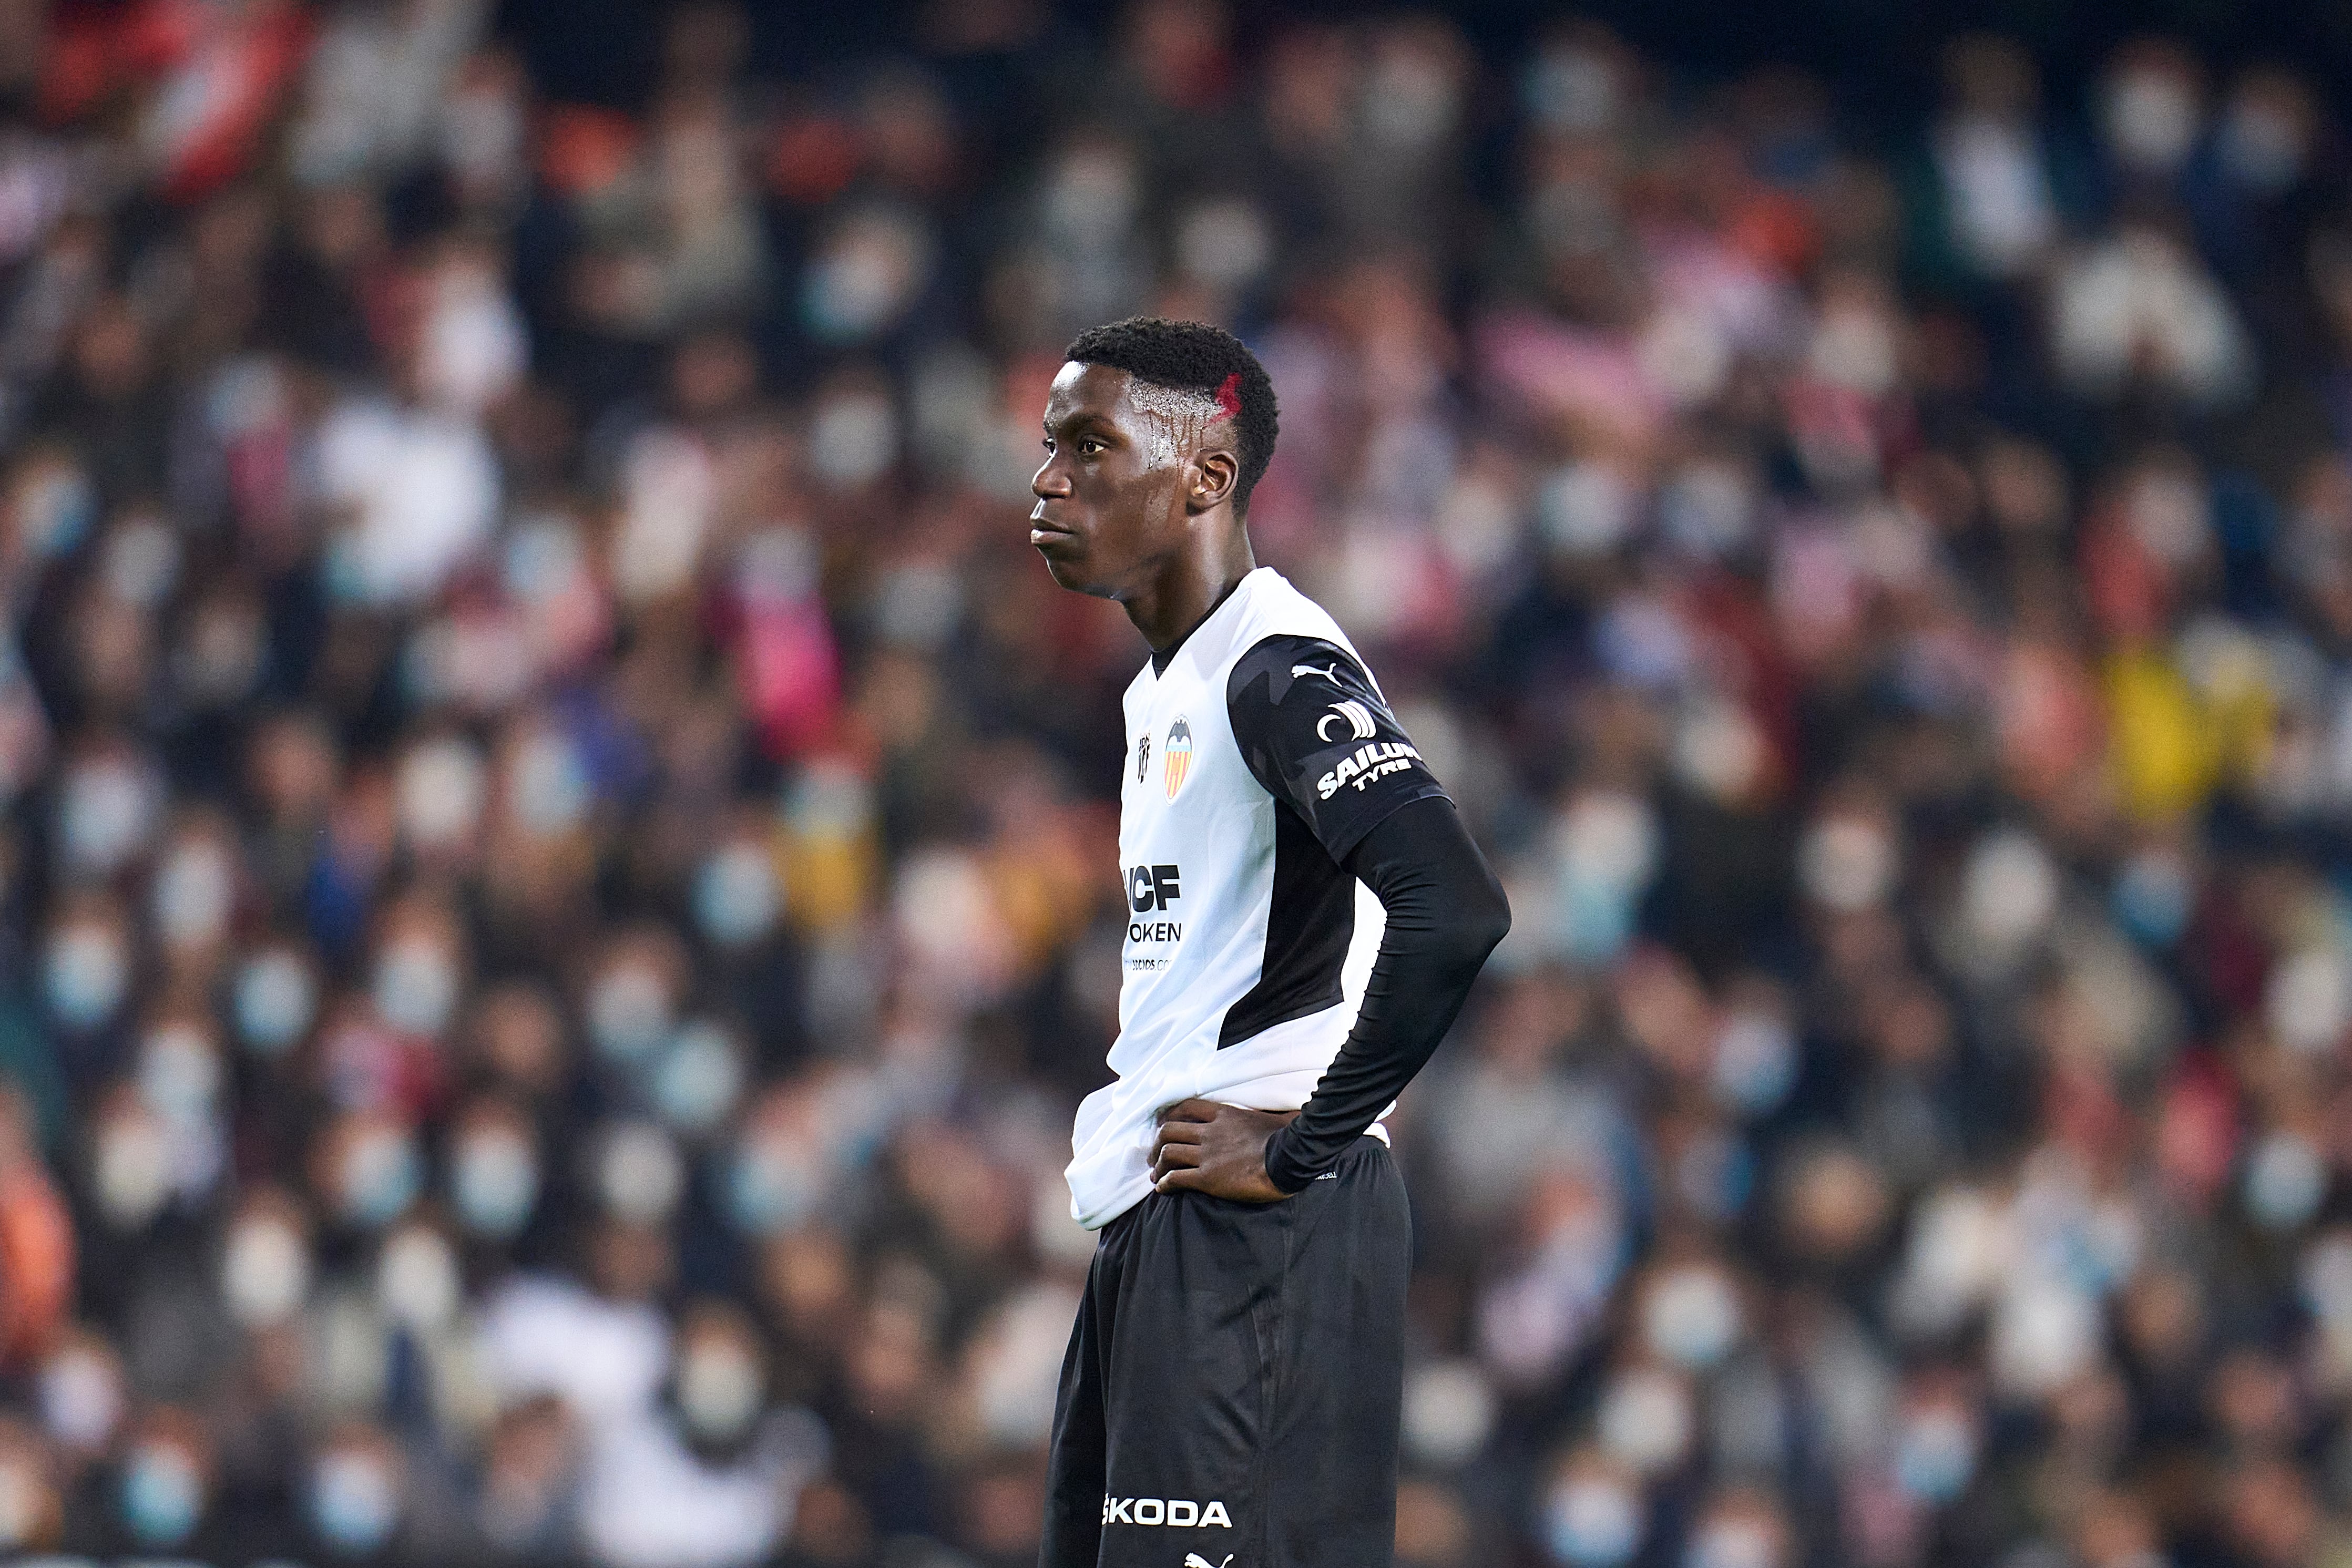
[(1164, 659)]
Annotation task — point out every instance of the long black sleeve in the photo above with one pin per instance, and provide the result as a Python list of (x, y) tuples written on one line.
[(1316, 731), (1446, 914)]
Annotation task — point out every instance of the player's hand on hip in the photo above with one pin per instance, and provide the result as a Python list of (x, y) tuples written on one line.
[(1219, 1150)]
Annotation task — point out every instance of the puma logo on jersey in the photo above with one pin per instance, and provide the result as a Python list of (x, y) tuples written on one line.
[(1368, 763), (1331, 674), (1195, 1560), (1347, 712), (1180, 1511)]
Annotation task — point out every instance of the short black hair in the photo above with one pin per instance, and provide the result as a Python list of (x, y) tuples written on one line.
[(1195, 357)]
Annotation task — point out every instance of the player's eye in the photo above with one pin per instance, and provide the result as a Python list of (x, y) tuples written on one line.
[(1090, 447)]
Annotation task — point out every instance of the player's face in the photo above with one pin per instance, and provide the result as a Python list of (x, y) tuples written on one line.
[(1111, 496)]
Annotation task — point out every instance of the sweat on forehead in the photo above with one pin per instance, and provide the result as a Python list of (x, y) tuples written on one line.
[(1180, 416), (1174, 403)]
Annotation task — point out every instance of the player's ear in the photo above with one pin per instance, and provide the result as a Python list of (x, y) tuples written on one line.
[(1214, 475)]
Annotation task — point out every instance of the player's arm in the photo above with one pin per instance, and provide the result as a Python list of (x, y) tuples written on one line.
[(1319, 736), (1446, 914)]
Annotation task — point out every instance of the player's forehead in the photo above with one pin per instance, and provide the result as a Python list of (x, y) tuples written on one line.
[(1162, 420), (1083, 390)]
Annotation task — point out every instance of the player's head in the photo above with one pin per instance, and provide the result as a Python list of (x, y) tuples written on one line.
[(1156, 432)]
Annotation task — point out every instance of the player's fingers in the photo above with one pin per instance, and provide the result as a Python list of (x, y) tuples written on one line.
[(1176, 1133), (1175, 1156), (1190, 1111), (1166, 1169), (1181, 1181)]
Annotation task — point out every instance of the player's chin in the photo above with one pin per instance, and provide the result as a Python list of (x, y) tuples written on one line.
[(1066, 561)]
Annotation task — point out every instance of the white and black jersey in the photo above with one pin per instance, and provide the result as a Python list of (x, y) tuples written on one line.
[(1258, 754)]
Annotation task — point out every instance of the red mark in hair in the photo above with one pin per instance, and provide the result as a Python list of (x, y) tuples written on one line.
[(1229, 395)]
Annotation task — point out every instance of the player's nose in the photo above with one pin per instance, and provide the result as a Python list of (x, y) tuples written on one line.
[(1049, 483)]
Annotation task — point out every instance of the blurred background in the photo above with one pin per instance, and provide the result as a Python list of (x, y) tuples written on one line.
[(557, 879)]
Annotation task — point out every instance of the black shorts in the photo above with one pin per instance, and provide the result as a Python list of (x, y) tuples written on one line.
[(1234, 1384)]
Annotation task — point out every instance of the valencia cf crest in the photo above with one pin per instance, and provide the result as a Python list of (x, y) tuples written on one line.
[(1142, 756), (1176, 759)]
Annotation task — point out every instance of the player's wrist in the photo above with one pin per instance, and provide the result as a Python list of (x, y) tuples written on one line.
[(1280, 1164)]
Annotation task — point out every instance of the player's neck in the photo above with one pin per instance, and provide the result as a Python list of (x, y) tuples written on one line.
[(1167, 609)]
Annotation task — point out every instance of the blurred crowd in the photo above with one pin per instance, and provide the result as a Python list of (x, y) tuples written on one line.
[(557, 878)]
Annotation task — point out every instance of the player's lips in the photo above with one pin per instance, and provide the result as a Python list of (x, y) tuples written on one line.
[(1042, 527)]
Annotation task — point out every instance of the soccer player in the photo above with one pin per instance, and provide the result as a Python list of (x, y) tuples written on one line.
[(1232, 1388)]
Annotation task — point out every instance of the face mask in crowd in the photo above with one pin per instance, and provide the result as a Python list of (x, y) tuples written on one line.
[(493, 1178), (720, 1388), (353, 1498), (162, 1494), (273, 1000)]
